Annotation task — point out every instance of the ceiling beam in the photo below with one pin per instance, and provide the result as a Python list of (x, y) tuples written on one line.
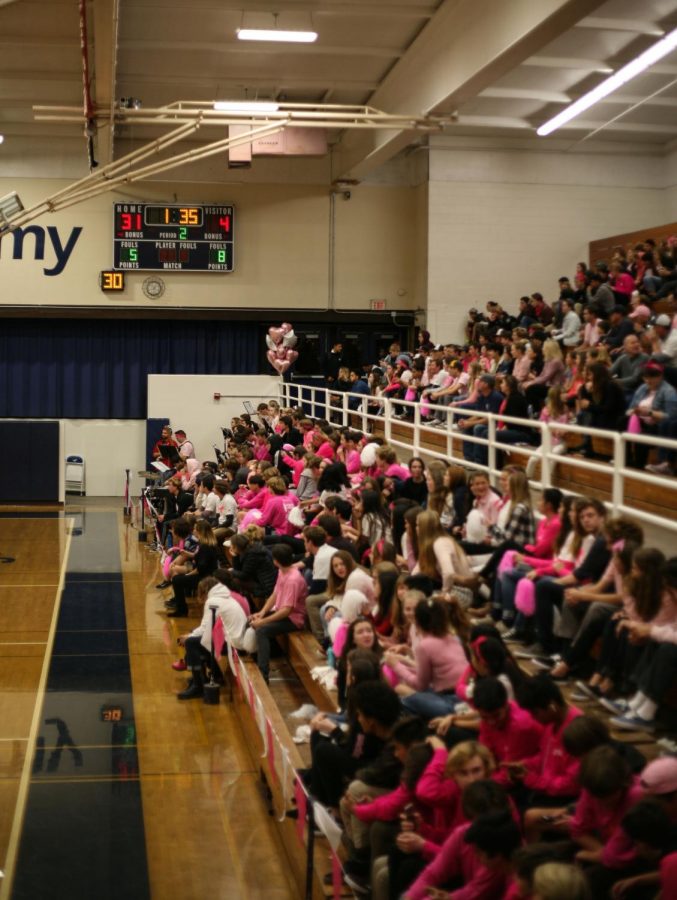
[(464, 49), (423, 10), (635, 26), (499, 93), (105, 66), (240, 48), (219, 85), (568, 62)]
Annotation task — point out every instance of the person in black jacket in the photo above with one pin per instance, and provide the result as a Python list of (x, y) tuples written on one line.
[(550, 591), (601, 402), (177, 502), (205, 563), (515, 405), (254, 571)]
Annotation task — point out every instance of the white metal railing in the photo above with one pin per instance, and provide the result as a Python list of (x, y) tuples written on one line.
[(321, 402)]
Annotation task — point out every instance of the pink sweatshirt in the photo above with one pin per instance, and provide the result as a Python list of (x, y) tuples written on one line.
[(438, 819), (592, 817), (546, 534), (457, 861), (440, 662), (438, 792), (352, 462), (553, 771), (326, 451), (276, 511), (255, 500), (397, 471), (519, 738), (296, 465)]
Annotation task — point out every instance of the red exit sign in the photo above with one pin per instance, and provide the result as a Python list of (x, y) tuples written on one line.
[(377, 305)]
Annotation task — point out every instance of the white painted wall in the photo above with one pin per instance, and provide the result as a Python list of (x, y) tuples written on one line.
[(503, 223), (283, 234), (188, 402), (108, 446)]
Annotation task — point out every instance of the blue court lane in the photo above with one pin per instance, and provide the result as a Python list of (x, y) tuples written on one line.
[(83, 833)]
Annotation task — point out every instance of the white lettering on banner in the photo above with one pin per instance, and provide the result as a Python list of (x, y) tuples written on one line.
[(62, 251)]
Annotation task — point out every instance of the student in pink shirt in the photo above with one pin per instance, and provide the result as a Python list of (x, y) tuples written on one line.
[(609, 791), (439, 661), (509, 732), (476, 856), (275, 513), (295, 459), (551, 774), (348, 452), (284, 611)]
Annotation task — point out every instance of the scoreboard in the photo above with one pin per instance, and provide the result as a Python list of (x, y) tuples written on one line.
[(163, 238)]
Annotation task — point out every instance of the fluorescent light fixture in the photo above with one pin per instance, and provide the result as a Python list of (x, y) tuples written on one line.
[(612, 83), (2, 138), (253, 107), (10, 205), (276, 34)]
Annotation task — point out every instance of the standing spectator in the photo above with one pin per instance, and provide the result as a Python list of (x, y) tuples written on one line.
[(186, 449), (333, 363)]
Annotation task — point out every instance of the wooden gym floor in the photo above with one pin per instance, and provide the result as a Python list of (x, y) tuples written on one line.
[(109, 786)]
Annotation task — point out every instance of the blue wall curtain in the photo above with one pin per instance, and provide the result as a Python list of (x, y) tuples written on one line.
[(97, 368)]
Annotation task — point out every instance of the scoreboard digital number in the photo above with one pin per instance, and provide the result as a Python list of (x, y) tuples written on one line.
[(173, 238)]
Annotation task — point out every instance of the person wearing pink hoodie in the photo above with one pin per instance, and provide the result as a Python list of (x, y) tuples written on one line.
[(275, 513), (551, 774), (509, 732), (474, 862)]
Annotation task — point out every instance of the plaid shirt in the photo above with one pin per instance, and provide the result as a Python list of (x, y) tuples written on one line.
[(519, 528)]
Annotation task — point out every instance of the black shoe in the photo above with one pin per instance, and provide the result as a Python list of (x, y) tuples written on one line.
[(193, 691), (177, 613), (162, 585), (171, 602)]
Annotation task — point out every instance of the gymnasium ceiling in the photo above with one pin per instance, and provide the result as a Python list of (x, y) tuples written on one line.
[(505, 66)]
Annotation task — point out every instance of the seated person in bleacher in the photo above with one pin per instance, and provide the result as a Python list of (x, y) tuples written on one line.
[(205, 562), (284, 611), (254, 572)]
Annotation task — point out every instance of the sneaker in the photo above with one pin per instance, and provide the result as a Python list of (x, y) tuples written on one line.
[(542, 662), (618, 707), (631, 722), (179, 665), (163, 585), (585, 691), (513, 636), (530, 651), (357, 877), (307, 711), (663, 468)]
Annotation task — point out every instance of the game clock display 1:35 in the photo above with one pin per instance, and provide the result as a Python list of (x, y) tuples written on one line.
[(179, 237)]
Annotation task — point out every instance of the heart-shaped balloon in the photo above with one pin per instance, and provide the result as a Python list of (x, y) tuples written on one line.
[(286, 327), (276, 335), (290, 339), (270, 344), (291, 356)]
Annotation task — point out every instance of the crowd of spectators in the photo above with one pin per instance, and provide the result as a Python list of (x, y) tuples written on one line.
[(462, 626), (600, 355)]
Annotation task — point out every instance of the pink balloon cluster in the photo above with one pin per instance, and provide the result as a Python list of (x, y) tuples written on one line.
[(281, 342)]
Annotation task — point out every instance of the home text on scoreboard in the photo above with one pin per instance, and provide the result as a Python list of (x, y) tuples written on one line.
[(183, 238)]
